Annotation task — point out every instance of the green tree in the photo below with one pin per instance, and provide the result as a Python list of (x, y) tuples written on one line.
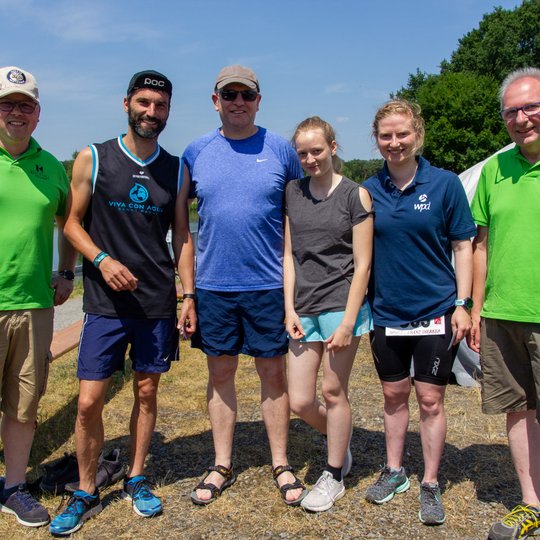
[(361, 169), (505, 40), (68, 164), (463, 125), (460, 104)]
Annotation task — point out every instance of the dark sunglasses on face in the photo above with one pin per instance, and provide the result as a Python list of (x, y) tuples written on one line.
[(230, 95), (26, 107)]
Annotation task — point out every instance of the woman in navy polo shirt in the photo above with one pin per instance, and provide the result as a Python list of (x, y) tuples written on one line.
[(419, 302)]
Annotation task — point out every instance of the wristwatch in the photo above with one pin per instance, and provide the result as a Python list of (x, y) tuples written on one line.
[(66, 274), (467, 303)]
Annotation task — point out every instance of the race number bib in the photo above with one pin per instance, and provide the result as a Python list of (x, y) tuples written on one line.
[(418, 328)]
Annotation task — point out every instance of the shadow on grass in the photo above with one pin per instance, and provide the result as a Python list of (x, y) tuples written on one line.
[(59, 428), (488, 466)]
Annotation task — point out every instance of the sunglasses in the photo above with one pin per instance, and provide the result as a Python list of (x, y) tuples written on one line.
[(26, 107), (230, 95)]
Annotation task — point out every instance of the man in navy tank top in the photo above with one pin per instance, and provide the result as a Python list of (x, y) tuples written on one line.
[(126, 193), (238, 174)]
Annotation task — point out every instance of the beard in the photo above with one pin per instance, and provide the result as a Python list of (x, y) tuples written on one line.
[(135, 122)]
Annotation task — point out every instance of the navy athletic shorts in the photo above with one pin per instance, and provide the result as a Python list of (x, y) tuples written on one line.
[(246, 322), (104, 342)]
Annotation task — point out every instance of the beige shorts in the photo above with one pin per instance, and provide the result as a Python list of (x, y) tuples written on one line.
[(510, 360), (25, 341)]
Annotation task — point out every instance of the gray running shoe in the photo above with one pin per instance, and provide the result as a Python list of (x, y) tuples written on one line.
[(388, 484), (521, 522), (324, 493), (24, 507), (431, 508)]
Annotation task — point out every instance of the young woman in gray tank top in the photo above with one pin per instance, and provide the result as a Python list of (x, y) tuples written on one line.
[(328, 243)]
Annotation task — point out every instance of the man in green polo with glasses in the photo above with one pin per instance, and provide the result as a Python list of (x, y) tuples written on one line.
[(33, 191)]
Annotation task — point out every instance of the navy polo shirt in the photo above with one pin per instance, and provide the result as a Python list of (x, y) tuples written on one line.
[(412, 277)]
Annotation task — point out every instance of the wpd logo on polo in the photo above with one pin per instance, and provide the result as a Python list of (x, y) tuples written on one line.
[(422, 205), (138, 193)]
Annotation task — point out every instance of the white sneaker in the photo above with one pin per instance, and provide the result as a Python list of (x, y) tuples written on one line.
[(324, 493)]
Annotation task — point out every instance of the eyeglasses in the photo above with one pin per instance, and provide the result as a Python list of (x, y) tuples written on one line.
[(26, 107), (528, 110), (230, 95)]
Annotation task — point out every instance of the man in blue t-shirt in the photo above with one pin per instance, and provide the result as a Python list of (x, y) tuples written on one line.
[(238, 174)]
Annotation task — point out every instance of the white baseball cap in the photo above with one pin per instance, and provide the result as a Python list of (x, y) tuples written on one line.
[(14, 80)]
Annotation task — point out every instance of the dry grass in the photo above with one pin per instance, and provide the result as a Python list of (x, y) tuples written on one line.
[(477, 475)]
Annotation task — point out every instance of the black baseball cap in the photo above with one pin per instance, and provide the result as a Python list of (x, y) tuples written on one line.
[(149, 79)]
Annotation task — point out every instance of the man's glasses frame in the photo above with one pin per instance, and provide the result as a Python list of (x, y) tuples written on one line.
[(26, 107), (511, 113), (231, 95)]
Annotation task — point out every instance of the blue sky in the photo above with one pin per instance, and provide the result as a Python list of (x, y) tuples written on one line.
[(338, 59)]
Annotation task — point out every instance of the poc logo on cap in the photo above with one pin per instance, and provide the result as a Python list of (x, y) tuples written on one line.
[(153, 82)]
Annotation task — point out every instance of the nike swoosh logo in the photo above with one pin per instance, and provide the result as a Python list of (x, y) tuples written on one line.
[(261, 160)]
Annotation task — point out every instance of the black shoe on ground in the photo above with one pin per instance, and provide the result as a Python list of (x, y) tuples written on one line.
[(23, 506), (59, 473), (109, 471)]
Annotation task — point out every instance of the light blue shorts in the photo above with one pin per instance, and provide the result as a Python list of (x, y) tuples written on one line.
[(321, 327)]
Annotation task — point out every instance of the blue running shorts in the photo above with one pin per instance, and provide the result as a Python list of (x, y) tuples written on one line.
[(245, 322), (321, 327), (104, 342)]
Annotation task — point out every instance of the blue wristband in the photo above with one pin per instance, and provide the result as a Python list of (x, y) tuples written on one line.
[(99, 257)]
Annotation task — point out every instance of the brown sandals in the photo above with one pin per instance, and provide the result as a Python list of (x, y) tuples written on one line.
[(280, 469), (230, 479)]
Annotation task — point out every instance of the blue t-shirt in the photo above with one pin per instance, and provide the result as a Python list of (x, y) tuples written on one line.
[(412, 277), (239, 185)]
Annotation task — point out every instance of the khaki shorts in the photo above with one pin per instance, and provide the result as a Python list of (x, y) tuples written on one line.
[(25, 340), (510, 360)]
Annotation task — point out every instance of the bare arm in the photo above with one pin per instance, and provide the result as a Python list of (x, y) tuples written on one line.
[(480, 255), (115, 274), (292, 320), (67, 256), (184, 256), (362, 251), (461, 320)]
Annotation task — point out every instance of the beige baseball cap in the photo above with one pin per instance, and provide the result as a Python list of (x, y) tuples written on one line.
[(14, 80), (237, 74)]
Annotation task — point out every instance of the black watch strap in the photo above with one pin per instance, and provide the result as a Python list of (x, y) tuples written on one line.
[(66, 274)]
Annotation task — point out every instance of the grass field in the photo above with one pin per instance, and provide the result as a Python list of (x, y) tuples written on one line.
[(477, 475)]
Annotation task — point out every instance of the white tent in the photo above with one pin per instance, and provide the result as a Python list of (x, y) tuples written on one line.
[(467, 364)]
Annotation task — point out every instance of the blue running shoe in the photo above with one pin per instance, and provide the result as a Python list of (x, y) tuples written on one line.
[(80, 507), (137, 490)]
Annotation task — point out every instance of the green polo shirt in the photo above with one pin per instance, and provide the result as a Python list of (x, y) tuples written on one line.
[(33, 189), (507, 201)]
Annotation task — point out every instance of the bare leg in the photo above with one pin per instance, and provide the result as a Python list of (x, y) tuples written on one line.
[(430, 398), (17, 438), (275, 412), (143, 419), (335, 388), (303, 367), (524, 439), (396, 419), (89, 430), (222, 409)]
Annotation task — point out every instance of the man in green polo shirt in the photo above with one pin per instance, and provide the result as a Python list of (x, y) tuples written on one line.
[(506, 293), (33, 191)]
